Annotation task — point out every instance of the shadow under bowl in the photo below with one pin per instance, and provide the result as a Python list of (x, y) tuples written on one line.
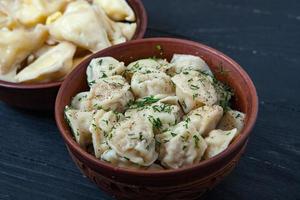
[(185, 183)]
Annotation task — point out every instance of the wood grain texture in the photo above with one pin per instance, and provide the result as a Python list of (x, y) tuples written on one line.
[(263, 36)]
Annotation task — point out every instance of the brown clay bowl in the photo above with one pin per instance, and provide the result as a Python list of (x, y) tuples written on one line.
[(186, 183), (42, 96)]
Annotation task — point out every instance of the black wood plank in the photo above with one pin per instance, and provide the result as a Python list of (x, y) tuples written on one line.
[(263, 36)]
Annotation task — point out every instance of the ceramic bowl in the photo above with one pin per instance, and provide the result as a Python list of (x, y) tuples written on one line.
[(185, 183), (42, 96)]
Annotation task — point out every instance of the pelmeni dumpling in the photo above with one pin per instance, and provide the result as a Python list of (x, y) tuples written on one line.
[(232, 119), (80, 122), (161, 115), (103, 67), (17, 44), (182, 62), (144, 66), (10, 76), (79, 24), (113, 158), (111, 93), (118, 10), (107, 121), (218, 140), (127, 29), (180, 146), (194, 90), (205, 118), (114, 31), (100, 144), (134, 140), (52, 65), (80, 101), (6, 20), (103, 122), (153, 83), (33, 12)]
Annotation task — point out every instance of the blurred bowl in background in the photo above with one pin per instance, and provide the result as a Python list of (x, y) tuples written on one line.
[(41, 96)]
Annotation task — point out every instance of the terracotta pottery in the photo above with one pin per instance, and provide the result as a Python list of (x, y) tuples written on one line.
[(185, 183), (42, 96)]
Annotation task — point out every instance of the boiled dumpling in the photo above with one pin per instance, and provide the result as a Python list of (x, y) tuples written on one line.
[(80, 101), (114, 31), (10, 76), (144, 66), (106, 121), (80, 25), (16, 45), (182, 62), (103, 122), (205, 118), (118, 10), (180, 146), (153, 83), (194, 90), (232, 119), (52, 65), (6, 21), (103, 67), (127, 29), (99, 143), (113, 158), (218, 140), (112, 93), (80, 122), (161, 115), (98, 138), (134, 140), (33, 12)]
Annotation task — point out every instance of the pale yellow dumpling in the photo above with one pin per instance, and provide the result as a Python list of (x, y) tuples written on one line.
[(79, 24), (17, 44), (32, 12), (80, 123), (117, 10), (54, 64)]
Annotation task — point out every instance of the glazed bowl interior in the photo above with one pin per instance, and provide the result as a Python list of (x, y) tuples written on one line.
[(8, 96), (245, 100)]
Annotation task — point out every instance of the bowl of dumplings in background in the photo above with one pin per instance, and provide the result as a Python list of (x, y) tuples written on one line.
[(43, 41), (158, 118)]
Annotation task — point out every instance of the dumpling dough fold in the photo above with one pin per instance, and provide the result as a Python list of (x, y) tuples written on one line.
[(218, 140), (180, 146), (16, 45), (54, 64), (134, 140), (80, 25), (118, 10)]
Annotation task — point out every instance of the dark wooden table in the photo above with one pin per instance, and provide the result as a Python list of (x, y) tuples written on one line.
[(262, 35)]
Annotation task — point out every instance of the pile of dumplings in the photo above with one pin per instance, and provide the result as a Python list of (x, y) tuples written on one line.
[(43, 40), (153, 114)]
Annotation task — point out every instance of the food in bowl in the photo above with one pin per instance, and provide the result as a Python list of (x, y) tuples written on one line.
[(42, 41), (153, 114)]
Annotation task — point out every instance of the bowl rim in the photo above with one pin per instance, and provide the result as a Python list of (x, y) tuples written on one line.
[(71, 143), (136, 5)]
